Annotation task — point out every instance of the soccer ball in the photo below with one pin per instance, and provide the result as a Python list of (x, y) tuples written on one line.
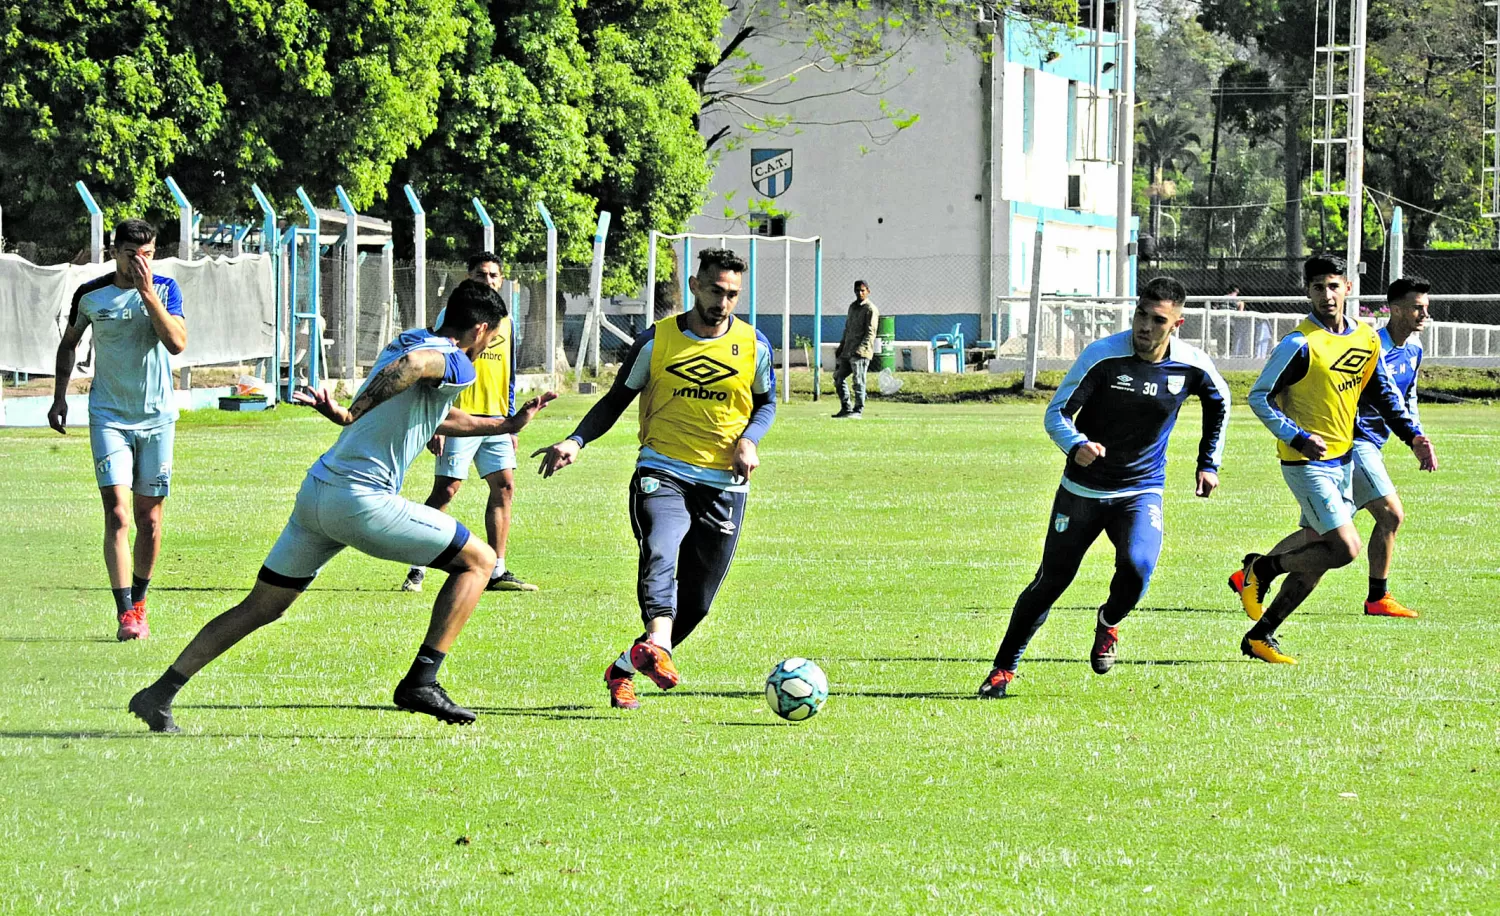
[(796, 689)]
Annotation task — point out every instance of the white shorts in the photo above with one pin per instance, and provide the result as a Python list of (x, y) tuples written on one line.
[(137, 458), (1371, 480), (327, 518), (1325, 493), (489, 453)]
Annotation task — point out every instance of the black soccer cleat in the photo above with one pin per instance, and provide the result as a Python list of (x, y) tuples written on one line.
[(1106, 643), (432, 700), (995, 685), (154, 711)]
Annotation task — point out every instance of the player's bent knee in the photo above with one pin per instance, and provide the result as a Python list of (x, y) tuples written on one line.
[(473, 556)]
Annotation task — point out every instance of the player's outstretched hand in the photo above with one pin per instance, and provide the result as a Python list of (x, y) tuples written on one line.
[(57, 417), (320, 400), (1208, 482), (746, 458), (1313, 447), (1426, 456), (530, 409), (556, 457), (1087, 453)]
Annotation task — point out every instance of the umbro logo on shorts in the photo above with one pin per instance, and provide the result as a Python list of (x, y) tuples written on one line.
[(702, 370)]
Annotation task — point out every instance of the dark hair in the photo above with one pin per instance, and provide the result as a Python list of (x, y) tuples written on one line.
[(484, 257), (470, 304), (1406, 286), (134, 232), (1164, 289), (1321, 265), (720, 259), (859, 283)]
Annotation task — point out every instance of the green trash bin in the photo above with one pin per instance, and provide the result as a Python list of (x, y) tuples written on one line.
[(885, 344)]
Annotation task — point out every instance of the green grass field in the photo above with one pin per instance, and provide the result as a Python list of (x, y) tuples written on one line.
[(890, 550)]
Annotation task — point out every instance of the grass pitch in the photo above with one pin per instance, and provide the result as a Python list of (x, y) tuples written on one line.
[(890, 551)]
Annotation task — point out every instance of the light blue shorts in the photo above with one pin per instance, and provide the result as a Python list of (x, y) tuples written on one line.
[(137, 458), (327, 518), (1325, 493), (1371, 481), (489, 453)]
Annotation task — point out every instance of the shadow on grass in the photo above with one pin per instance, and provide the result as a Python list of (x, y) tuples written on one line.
[(883, 694), (143, 733), (68, 639), (1055, 661), (563, 713)]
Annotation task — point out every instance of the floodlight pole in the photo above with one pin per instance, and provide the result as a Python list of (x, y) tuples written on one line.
[(351, 283), (419, 256), (1124, 143), (1034, 319), (1355, 164), (96, 224), (487, 224), (184, 220), (550, 362)]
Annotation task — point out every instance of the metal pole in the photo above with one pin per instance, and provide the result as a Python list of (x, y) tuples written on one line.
[(488, 225), (96, 224), (1356, 161), (184, 220), (419, 256), (1397, 244), (268, 245), (289, 278), (1034, 321), (1125, 142), (388, 287), (751, 283), (817, 334), (350, 347), (596, 288), (551, 358), (314, 333), (687, 272), (651, 276), (786, 323)]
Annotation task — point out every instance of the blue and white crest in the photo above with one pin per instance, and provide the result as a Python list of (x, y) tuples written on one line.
[(771, 171)]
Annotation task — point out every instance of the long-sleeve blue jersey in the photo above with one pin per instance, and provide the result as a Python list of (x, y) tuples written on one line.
[(1403, 363), (1129, 406)]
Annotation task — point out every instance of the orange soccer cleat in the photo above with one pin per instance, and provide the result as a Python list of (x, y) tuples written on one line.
[(656, 663), (1388, 607)]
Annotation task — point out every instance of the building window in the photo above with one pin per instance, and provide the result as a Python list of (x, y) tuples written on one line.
[(1028, 110), (765, 224), (1072, 120)]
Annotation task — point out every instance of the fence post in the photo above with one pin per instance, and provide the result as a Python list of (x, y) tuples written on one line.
[(1396, 244), (310, 311), (817, 334), (651, 276), (96, 224), (486, 223), (786, 323), (596, 292), (184, 220), (419, 257), (750, 281), (268, 244), (351, 284), (1034, 320), (550, 361), (388, 288)]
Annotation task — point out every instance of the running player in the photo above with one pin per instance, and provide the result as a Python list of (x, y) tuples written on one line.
[(493, 394), (351, 498), (1112, 416), (137, 321), (708, 395), (1309, 395), (1373, 490)]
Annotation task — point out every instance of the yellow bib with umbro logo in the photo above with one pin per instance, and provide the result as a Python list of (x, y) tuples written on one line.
[(697, 399), (489, 396), (1326, 399)]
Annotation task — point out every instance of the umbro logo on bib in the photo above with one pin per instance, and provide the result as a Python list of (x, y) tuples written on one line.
[(1352, 362), (702, 370)]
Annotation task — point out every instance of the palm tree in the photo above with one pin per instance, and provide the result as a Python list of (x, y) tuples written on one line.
[(1164, 145)]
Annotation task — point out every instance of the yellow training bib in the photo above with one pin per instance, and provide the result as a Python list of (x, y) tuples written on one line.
[(697, 399), (1326, 399), (490, 394)]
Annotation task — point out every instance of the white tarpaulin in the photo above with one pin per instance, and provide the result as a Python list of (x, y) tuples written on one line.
[(229, 304)]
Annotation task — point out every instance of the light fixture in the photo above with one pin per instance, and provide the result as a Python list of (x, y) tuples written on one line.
[(1110, 65)]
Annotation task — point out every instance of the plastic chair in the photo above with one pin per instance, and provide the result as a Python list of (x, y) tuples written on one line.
[(954, 343)]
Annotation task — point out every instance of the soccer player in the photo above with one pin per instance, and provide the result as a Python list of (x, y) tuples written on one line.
[(1112, 417), (1309, 394), (708, 395), (493, 394), (1373, 490), (137, 321), (351, 498)]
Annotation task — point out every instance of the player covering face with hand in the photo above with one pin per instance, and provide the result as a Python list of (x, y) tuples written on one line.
[(708, 395), (351, 497), (1112, 417)]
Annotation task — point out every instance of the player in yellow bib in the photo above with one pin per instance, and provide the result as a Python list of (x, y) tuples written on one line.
[(708, 395), (493, 394), (1309, 395)]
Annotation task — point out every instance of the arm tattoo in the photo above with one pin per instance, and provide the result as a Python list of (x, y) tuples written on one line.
[(395, 378)]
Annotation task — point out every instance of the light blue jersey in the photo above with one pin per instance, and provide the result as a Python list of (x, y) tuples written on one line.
[(374, 451), (132, 387)]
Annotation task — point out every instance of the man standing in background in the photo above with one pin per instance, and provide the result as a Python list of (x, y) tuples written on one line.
[(852, 358)]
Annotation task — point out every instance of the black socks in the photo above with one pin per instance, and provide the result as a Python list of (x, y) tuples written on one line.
[(168, 684), (122, 601), (424, 669), (138, 588), (1268, 567), (1378, 589)]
